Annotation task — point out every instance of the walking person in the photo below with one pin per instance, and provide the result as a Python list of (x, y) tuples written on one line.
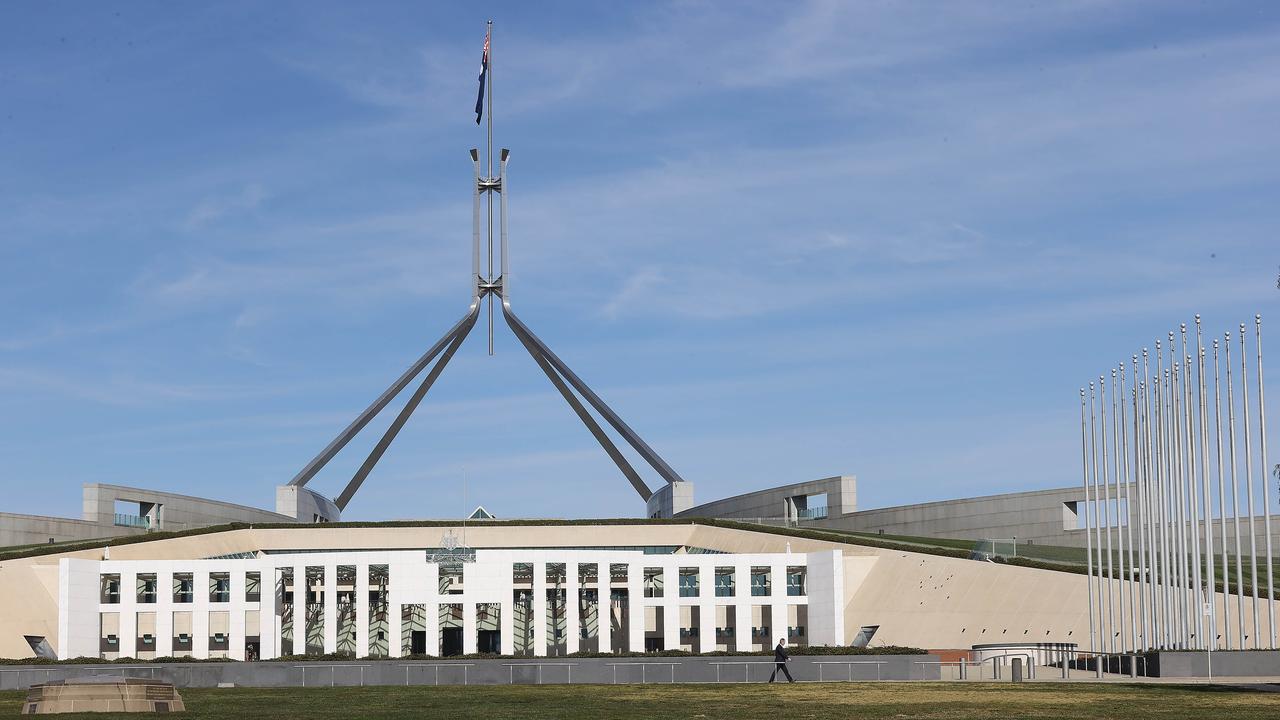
[(780, 661)]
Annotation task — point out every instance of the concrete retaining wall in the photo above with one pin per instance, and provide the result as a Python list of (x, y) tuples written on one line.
[(518, 671), (1233, 663)]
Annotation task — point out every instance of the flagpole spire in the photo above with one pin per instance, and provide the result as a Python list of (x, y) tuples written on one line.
[(488, 38)]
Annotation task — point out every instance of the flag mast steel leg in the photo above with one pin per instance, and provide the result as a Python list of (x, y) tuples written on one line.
[(484, 286), (375, 455)]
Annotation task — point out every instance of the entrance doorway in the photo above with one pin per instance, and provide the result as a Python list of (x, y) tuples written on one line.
[(489, 641), (450, 642)]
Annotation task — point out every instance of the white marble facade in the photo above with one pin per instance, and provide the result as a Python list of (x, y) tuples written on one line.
[(86, 616)]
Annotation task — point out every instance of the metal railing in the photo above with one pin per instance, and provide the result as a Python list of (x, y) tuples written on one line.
[(643, 669), (138, 521), (511, 675)]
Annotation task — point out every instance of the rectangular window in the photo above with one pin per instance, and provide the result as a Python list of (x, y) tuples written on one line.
[(688, 582), (724, 582), (653, 582), (109, 586), (182, 634), (588, 574), (252, 587), (146, 588), (796, 581), (183, 588), (760, 584), (313, 610), (618, 573), (379, 624), (219, 587), (219, 633), (556, 574), (451, 579), (762, 627), (144, 643), (522, 573), (109, 635)]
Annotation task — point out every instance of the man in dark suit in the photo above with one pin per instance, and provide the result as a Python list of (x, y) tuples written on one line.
[(780, 661)]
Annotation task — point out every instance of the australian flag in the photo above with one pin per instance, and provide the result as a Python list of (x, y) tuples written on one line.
[(484, 70)]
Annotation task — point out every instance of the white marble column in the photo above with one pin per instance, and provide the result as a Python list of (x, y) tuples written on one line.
[(432, 624), (200, 614), (742, 602), (164, 613), (330, 608), (268, 615), (235, 614), (604, 611), (362, 610), (300, 610), (572, 611), (671, 607), (540, 609), (469, 639), (128, 629), (778, 603), (636, 606), (707, 608)]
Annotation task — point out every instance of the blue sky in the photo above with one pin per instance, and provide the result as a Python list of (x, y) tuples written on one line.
[(783, 240)]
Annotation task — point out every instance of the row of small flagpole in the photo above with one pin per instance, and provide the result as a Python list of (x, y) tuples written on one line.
[(1152, 451)]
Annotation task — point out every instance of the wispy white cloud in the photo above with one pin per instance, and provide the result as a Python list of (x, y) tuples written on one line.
[(212, 209)]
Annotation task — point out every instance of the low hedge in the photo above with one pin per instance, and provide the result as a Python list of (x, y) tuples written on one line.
[(343, 657)]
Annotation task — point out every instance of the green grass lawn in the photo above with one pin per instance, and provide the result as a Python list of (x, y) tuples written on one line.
[(737, 702)]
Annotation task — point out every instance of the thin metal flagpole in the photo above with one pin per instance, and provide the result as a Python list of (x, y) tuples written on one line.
[(1084, 459), (1106, 512), (1162, 504), (1191, 569), (1126, 534), (1152, 534), (1115, 475), (1266, 493), (1206, 491), (1179, 507), (1166, 545), (1235, 491), (1140, 473), (1093, 445), (1222, 503), (1152, 436), (1193, 595), (1248, 483)]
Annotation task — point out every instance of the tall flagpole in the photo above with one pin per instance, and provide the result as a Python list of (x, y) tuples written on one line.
[(488, 71), (1248, 482), (1097, 515), (1206, 492), (1266, 493), (1088, 534), (1139, 465), (1106, 514), (1235, 491), (1162, 501), (1115, 477), (1222, 502), (1126, 532), (1202, 406)]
